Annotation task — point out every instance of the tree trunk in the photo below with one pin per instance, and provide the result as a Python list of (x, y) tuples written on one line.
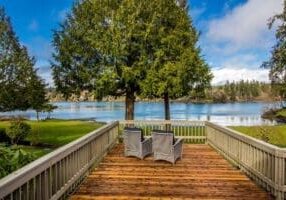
[(129, 105), (167, 111), (37, 115)]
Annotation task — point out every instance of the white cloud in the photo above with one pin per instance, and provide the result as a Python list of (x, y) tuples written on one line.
[(33, 26), (238, 67), (245, 26), (238, 42), (236, 74)]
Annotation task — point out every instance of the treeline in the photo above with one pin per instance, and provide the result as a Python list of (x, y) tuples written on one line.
[(229, 92), (243, 90)]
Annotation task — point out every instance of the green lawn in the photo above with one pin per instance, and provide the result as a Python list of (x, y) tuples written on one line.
[(272, 134), (281, 113), (58, 132), (55, 133)]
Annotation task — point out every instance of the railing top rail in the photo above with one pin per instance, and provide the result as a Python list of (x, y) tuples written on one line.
[(22, 175), (250, 140), (160, 121)]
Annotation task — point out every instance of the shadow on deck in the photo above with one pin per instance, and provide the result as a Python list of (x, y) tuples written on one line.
[(201, 174)]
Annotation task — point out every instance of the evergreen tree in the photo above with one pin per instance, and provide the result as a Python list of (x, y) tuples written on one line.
[(232, 95), (127, 49), (76, 60), (102, 46), (177, 66), (227, 88), (277, 62), (16, 70), (37, 94), (125, 41)]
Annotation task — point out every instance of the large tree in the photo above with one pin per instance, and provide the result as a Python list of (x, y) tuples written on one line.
[(111, 46), (127, 47), (104, 44), (37, 95), (17, 72), (76, 60), (177, 66), (277, 62)]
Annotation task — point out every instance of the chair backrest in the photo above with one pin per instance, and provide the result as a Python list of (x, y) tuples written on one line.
[(132, 138), (162, 141)]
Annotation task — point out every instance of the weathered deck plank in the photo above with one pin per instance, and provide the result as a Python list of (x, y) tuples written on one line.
[(201, 174)]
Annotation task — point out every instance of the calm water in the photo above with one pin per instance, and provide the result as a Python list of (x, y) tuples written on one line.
[(224, 114)]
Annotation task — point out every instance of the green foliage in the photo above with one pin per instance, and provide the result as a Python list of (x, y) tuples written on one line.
[(219, 97), (53, 133), (49, 108), (19, 83), (117, 48), (18, 131), (37, 94), (282, 112), (275, 135), (58, 132), (277, 61), (13, 159), (176, 67), (243, 90), (3, 136), (76, 60)]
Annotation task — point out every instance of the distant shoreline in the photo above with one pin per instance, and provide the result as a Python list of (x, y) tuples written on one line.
[(172, 101)]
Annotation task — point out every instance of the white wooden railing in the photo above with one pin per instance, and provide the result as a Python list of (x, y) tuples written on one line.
[(55, 175), (191, 131), (262, 162)]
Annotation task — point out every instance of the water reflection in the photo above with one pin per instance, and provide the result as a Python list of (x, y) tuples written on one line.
[(224, 114)]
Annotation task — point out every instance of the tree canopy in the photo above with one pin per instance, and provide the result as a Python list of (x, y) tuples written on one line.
[(18, 77), (177, 66), (277, 61), (128, 47), (76, 60)]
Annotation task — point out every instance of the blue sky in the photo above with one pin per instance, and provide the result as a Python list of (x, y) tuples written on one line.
[(234, 37)]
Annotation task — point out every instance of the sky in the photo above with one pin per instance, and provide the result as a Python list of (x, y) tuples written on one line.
[(234, 36)]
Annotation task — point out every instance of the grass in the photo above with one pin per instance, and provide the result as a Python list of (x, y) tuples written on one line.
[(281, 112), (58, 132), (275, 135), (37, 151), (54, 133)]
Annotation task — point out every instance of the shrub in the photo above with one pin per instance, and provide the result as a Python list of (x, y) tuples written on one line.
[(18, 131), (13, 159), (219, 97), (3, 136)]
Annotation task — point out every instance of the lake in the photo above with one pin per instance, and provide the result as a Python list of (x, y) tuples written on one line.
[(224, 114)]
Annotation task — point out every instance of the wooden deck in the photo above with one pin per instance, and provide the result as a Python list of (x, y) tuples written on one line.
[(201, 174)]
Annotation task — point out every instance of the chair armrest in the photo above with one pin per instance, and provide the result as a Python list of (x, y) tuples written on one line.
[(177, 148), (147, 140), (146, 146), (178, 142)]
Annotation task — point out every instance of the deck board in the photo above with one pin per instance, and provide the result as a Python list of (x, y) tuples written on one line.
[(201, 174)]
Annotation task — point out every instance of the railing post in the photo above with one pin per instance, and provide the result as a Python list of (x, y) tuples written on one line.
[(279, 174)]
